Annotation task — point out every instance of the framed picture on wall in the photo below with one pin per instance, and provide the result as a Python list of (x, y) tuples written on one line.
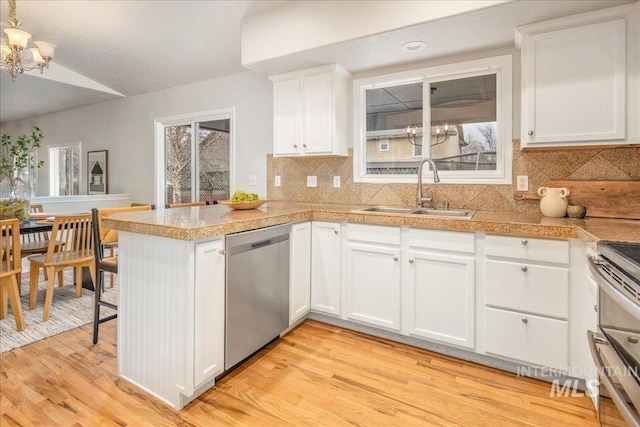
[(97, 172)]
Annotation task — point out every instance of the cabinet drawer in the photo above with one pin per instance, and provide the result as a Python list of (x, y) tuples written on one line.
[(531, 288), (374, 233), (534, 339), (542, 250), (442, 240)]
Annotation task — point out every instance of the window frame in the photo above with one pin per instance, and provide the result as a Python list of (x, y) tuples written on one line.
[(193, 120), (54, 183), (501, 66)]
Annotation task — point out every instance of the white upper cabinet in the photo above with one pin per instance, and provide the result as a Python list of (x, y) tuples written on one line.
[(580, 80), (311, 112)]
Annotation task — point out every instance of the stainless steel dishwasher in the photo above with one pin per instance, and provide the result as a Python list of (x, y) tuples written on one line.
[(257, 291)]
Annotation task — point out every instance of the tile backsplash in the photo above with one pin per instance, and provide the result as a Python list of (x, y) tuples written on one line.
[(605, 164)]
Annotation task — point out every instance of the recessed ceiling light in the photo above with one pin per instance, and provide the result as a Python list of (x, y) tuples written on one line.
[(413, 46)]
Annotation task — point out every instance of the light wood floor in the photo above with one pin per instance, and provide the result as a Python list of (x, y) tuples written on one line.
[(316, 375)]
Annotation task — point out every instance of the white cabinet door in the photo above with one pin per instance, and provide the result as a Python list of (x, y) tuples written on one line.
[(300, 271), (441, 297), (318, 113), (209, 311), (574, 85), (325, 267), (373, 285), (287, 122)]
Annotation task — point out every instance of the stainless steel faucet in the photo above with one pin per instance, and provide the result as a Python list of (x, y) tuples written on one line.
[(419, 199)]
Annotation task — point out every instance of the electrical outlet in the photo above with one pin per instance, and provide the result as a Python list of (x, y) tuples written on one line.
[(312, 181), (336, 181), (522, 183), (277, 183), (253, 180)]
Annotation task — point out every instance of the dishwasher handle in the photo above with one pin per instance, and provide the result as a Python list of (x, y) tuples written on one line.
[(247, 245), (260, 244)]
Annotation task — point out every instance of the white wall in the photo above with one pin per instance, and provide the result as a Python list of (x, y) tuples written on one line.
[(125, 127)]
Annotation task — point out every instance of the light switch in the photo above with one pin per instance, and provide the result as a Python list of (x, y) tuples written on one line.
[(277, 183), (253, 180), (312, 181), (336, 181)]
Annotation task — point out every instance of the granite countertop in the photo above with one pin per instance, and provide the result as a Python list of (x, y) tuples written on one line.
[(209, 221)]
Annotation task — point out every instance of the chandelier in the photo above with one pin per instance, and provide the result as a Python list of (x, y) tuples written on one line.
[(14, 59)]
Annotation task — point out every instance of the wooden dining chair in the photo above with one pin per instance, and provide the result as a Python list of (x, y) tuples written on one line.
[(185, 205), (106, 238), (10, 270), (75, 250), (35, 243)]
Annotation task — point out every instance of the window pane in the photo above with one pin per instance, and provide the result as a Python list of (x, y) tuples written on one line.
[(390, 110), (178, 163), (464, 130), (213, 164), (64, 170)]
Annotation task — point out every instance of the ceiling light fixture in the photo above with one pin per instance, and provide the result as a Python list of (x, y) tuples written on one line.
[(413, 46), (13, 58)]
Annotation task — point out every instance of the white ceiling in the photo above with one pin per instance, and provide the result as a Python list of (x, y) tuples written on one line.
[(135, 47)]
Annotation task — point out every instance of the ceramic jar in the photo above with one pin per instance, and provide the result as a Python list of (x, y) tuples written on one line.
[(553, 203)]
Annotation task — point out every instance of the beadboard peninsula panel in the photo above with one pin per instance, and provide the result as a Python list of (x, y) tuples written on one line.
[(154, 298)]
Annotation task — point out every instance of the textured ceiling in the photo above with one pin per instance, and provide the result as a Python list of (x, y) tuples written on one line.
[(135, 47), (132, 47)]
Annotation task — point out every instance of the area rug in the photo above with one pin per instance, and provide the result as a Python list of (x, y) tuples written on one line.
[(67, 312)]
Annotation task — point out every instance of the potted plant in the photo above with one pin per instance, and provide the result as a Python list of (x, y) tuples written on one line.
[(15, 165)]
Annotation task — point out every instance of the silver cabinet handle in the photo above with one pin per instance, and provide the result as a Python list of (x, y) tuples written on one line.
[(395, 258), (295, 145), (411, 261), (525, 320), (335, 231), (304, 145), (524, 268), (595, 308), (530, 133), (524, 242), (222, 252)]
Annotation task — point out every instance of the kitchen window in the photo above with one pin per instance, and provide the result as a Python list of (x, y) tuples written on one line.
[(464, 108), (194, 157)]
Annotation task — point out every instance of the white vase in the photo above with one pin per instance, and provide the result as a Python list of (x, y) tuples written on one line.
[(553, 203)]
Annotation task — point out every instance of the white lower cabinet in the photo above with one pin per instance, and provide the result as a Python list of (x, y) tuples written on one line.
[(373, 285), (325, 267), (441, 297), (300, 271), (209, 311), (535, 339), (526, 297)]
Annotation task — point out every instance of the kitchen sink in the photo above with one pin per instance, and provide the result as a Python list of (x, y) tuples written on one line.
[(386, 209), (444, 213), (457, 213)]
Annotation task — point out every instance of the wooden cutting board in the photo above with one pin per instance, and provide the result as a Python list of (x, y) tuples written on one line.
[(604, 199)]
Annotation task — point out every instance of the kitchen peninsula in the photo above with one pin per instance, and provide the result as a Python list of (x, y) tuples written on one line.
[(171, 293)]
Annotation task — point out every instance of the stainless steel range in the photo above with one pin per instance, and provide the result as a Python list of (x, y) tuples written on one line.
[(616, 348)]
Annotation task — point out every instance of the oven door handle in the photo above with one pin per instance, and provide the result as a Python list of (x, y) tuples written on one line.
[(625, 410), (612, 291)]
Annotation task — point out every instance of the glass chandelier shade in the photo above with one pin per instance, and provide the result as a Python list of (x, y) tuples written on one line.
[(14, 60)]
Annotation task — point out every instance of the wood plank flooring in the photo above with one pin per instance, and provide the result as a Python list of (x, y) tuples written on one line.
[(316, 375)]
